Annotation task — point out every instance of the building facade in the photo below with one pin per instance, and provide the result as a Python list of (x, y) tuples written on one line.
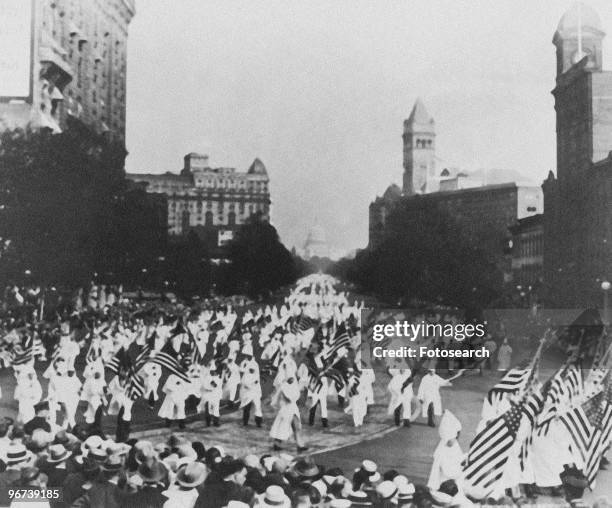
[(213, 202), (77, 67), (483, 203), (527, 249), (578, 199)]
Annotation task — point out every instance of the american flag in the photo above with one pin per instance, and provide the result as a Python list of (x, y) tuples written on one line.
[(340, 340), (122, 364), (354, 381), (490, 450), (168, 359), (580, 429), (598, 445), (514, 381)]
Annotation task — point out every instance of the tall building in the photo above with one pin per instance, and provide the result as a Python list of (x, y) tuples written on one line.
[(419, 151), (484, 203), (213, 202), (578, 199), (65, 59)]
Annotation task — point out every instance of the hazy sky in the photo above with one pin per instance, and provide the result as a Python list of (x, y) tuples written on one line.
[(318, 90)]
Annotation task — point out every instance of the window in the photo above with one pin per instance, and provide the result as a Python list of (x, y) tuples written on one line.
[(231, 218), (209, 219)]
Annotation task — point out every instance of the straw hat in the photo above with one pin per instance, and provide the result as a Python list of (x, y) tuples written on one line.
[(191, 475)]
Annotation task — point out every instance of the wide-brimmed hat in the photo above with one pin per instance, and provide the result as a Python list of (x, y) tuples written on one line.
[(405, 492), (91, 443), (359, 498), (305, 468), (112, 463), (370, 468), (58, 453), (191, 475), (386, 490), (17, 454), (274, 497), (39, 440), (97, 454), (152, 471), (340, 503)]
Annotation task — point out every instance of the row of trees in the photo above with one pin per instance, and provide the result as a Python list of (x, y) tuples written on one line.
[(424, 256), (68, 214)]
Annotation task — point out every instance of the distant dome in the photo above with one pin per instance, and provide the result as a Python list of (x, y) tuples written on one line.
[(393, 192), (316, 235), (579, 13)]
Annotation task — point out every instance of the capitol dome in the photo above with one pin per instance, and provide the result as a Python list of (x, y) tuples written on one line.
[(316, 235), (579, 14)]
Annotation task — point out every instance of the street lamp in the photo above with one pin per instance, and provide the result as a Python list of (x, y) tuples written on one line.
[(605, 287)]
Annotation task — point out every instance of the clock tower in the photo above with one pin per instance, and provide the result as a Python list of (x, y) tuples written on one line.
[(419, 152)]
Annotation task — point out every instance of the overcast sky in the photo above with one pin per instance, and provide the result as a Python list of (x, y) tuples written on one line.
[(318, 90)]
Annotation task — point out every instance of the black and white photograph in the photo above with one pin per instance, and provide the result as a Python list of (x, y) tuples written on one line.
[(305, 253)]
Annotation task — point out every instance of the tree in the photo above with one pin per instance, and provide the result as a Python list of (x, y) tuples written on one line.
[(259, 262), (66, 207), (425, 255)]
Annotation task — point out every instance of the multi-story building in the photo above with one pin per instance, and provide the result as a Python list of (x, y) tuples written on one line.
[(213, 202), (527, 249), (483, 203), (578, 199), (64, 59)]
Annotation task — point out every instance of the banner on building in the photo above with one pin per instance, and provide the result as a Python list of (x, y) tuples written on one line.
[(16, 54)]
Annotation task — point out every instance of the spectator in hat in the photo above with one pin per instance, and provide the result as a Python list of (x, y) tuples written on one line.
[(104, 491), (17, 458), (54, 465), (154, 476), (366, 476), (80, 481), (273, 497), (184, 493), (40, 420), (5, 427), (227, 484)]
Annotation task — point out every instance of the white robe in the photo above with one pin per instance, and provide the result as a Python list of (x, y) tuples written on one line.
[(446, 464), (286, 399), (429, 393), (173, 406)]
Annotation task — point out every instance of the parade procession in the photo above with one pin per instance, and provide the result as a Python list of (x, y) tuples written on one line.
[(539, 434)]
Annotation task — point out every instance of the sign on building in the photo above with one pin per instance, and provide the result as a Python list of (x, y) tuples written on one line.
[(16, 49), (225, 237)]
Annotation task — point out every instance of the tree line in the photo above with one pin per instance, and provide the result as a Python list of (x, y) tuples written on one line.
[(69, 215)]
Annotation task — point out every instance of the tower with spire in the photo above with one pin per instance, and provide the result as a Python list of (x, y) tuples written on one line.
[(419, 151), (577, 229)]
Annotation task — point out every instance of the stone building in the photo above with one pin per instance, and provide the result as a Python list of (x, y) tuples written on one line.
[(213, 202), (483, 203), (76, 64), (527, 249), (578, 199)]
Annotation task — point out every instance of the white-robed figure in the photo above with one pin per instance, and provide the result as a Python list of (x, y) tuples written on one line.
[(120, 405), (28, 392), (250, 394), (367, 384), (429, 396), (173, 406), (211, 389), (317, 394), (231, 380), (66, 389), (152, 374), (358, 401), (93, 392), (448, 456), (400, 389), (287, 421)]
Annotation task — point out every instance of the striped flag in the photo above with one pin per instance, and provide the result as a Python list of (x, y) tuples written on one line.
[(514, 381), (598, 445), (168, 360), (580, 429), (489, 452), (340, 340)]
